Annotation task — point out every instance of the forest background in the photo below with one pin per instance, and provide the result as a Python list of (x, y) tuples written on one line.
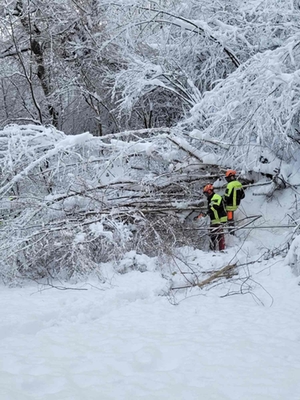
[(115, 114)]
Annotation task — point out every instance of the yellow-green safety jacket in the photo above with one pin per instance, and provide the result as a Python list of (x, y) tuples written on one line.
[(233, 195), (216, 209)]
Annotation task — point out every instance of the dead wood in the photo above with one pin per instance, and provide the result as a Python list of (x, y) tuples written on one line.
[(225, 272)]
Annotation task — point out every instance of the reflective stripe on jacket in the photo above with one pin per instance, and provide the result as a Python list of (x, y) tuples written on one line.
[(216, 210), (233, 195)]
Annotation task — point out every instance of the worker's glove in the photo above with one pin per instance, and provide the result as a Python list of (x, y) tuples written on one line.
[(202, 215)]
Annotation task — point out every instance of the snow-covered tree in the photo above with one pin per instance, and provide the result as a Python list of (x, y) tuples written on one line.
[(53, 65)]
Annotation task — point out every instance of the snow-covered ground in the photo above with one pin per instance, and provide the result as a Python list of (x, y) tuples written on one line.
[(124, 339)]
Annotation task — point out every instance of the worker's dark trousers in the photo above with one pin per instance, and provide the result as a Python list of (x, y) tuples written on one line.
[(217, 238)]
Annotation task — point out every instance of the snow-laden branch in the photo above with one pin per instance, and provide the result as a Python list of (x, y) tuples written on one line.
[(63, 145), (256, 106)]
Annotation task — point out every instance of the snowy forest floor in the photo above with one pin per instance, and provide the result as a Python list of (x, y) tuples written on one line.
[(125, 339)]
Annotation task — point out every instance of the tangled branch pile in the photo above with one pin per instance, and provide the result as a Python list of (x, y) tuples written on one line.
[(71, 202)]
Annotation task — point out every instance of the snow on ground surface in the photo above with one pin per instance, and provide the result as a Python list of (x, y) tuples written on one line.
[(125, 339)]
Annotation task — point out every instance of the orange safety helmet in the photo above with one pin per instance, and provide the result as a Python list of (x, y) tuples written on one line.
[(208, 188), (230, 172)]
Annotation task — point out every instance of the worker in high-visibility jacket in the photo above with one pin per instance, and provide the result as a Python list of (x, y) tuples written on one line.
[(234, 193), (217, 215)]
